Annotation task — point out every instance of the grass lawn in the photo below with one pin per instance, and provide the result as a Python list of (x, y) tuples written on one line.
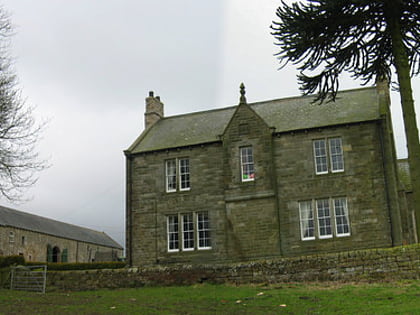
[(382, 298)]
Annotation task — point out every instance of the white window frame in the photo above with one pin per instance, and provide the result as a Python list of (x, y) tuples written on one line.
[(184, 174), (344, 216), (174, 231), (318, 146), (326, 217), (203, 230), (191, 230), (169, 176), (306, 218), (246, 162), (336, 214), (338, 155), (324, 154), (176, 177), (11, 237), (188, 232)]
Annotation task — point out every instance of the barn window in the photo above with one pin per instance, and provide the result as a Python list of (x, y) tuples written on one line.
[(11, 237)]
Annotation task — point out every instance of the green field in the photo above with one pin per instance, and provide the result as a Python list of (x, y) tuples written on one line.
[(383, 298)]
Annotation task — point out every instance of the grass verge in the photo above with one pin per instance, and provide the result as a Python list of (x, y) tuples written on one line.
[(321, 298)]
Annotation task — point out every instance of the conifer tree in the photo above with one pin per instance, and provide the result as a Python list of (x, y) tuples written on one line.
[(366, 38)]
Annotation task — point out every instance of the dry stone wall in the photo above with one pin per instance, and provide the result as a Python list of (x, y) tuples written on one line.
[(354, 266)]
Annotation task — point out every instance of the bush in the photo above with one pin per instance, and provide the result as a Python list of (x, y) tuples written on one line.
[(6, 261), (80, 266)]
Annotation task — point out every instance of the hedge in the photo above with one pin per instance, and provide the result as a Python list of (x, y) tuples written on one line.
[(80, 266), (6, 261)]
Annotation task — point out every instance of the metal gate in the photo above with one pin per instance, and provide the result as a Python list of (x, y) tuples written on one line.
[(29, 278)]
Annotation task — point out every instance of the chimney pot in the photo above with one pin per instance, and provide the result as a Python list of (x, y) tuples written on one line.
[(154, 110)]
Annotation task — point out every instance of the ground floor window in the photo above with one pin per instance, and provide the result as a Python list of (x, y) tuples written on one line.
[(187, 232), (172, 232), (324, 218), (193, 231)]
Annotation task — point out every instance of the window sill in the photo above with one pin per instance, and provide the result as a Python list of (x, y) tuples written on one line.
[(325, 237), (308, 239), (204, 248), (343, 235)]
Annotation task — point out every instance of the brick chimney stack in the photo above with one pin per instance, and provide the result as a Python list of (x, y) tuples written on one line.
[(154, 110)]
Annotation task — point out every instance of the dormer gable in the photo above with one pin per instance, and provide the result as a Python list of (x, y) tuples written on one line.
[(245, 122)]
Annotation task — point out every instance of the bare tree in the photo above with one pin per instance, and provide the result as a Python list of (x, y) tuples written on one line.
[(19, 132)]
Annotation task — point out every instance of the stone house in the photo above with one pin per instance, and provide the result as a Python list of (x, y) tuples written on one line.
[(44, 240), (284, 177)]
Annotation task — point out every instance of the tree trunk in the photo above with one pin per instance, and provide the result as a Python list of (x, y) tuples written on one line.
[(410, 124)]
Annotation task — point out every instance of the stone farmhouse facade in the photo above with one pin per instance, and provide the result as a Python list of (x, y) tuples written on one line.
[(44, 240), (277, 178)]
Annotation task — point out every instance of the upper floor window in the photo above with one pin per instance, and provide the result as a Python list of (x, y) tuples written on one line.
[(177, 174), (329, 218), (184, 174), (336, 155), (247, 164), (171, 175), (328, 158)]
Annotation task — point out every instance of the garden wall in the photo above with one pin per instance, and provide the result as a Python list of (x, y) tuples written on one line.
[(355, 266)]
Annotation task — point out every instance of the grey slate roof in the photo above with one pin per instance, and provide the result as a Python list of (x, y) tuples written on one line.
[(288, 114), (22, 220)]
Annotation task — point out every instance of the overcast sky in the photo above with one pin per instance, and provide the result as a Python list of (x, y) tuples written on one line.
[(87, 66)]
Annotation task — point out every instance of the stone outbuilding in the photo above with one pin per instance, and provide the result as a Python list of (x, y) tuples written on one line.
[(41, 239)]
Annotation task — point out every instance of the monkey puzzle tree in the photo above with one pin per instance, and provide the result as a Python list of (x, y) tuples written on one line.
[(367, 38), (19, 132)]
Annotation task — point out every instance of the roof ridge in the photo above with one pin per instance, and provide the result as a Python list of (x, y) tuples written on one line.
[(49, 222), (288, 98), (199, 112), (49, 219)]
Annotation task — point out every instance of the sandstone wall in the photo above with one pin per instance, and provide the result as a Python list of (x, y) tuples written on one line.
[(390, 264)]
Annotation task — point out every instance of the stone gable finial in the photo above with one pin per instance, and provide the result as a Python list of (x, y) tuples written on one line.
[(242, 99)]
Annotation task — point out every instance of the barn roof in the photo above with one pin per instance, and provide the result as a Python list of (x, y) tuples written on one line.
[(288, 114), (26, 221)]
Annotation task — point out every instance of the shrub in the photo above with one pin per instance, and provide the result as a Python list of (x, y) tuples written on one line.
[(6, 261), (80, 266)]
